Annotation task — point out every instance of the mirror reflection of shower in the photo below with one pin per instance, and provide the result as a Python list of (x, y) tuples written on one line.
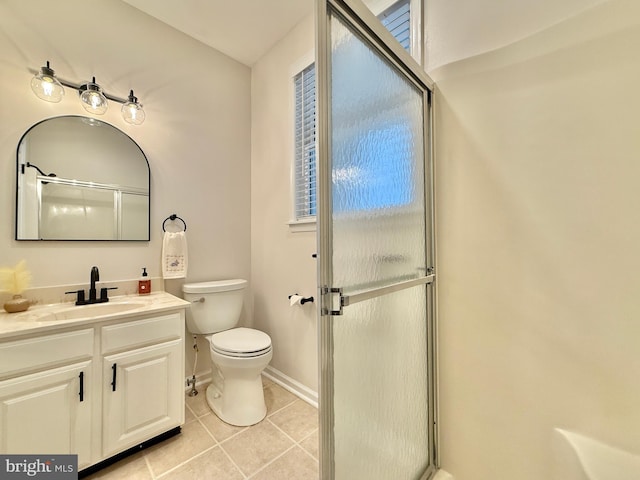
[(79, 182)]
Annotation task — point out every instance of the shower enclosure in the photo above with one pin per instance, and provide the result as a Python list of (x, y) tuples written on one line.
[(376, 245)]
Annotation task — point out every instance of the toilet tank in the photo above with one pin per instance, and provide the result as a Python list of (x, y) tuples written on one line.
[(215, 305)]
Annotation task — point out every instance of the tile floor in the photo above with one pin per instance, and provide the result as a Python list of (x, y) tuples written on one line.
[(283, 446)]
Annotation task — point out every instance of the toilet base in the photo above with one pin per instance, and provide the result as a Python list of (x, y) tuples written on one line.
[(242, 403)]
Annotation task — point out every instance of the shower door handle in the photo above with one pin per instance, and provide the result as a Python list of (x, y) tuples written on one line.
[(334, 300)]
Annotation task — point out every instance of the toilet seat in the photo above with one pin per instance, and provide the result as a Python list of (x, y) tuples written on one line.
[(240, 342)]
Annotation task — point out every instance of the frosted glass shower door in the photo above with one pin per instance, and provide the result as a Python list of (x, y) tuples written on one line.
[(376, 253)]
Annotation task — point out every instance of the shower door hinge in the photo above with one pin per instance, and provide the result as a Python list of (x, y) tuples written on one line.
[(332, 301)]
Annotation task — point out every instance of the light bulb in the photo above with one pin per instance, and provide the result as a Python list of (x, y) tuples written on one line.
[(46, 86), (132, 111), (92, 98)]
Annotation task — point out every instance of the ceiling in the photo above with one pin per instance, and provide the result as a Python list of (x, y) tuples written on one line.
[(242, 29)]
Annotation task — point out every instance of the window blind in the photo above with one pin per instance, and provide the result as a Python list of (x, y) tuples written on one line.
[(397, 19), (305, 146)]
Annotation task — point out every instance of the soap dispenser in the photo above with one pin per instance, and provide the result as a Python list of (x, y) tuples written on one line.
[(144, 284)]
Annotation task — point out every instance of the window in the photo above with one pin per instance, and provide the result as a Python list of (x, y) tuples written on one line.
[(396, 19), (305, 144)]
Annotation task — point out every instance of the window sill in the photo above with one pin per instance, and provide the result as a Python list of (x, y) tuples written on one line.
[(307, 225)]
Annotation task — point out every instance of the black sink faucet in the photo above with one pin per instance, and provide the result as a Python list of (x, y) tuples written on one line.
[(93, 297), (95, 276)]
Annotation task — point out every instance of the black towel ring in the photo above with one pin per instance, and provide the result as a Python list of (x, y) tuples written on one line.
[(174, 217)]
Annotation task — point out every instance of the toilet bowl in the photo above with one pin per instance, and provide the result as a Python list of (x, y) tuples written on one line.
[(238, 354), (235, 393)]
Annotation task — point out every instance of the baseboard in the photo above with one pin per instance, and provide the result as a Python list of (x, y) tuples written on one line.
[(293, 386)]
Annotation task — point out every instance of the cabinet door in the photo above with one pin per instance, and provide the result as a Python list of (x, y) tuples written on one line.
[(143, 395), (48, 413)]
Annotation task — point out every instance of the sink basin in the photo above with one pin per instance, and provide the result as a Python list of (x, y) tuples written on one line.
[(95, 310)]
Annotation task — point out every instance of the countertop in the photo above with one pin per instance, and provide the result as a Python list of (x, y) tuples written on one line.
[(53, 317)]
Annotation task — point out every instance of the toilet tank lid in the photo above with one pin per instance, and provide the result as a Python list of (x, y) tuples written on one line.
[(214, 286)]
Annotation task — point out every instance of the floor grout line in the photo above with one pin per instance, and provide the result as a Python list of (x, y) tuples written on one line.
[(281, 408), (297, 442), (309, 454), (282, 431), (187, 461), (308, 435), (304, 449), (146, 461), (272, 461), (207, 430), (233, 461), (234, 435)]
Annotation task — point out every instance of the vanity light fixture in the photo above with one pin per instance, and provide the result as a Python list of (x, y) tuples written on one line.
[(93, 99)]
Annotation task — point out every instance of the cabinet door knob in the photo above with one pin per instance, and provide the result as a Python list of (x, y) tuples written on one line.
[(113, 382)]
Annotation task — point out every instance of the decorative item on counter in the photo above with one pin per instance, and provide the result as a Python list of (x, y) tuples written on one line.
[(144, 284), (15, 281)]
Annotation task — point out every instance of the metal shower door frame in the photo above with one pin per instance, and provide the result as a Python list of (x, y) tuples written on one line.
[(362, 21)]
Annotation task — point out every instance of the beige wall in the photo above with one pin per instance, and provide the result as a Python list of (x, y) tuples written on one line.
[(538, 233), (196, 135), (464, 28), (281, 260)]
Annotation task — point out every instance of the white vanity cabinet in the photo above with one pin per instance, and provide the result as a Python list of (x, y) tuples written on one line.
[(49, 409), (95, 390)]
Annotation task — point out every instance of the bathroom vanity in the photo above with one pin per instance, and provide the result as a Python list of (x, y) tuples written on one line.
[(91, 380)]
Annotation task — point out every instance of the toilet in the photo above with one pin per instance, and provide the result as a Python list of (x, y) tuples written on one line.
[(238, 354)]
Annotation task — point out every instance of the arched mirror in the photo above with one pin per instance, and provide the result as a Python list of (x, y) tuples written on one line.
[(81, 179)]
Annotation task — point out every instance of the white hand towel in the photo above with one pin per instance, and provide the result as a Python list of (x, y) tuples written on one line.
[(174, 255)]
